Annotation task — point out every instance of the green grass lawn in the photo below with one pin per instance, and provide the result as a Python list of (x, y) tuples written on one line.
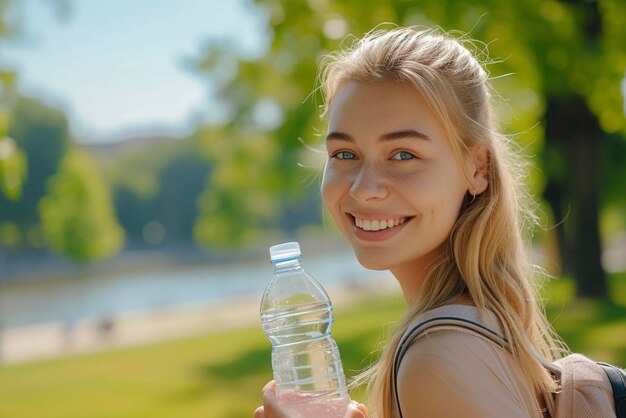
[(221, 375)]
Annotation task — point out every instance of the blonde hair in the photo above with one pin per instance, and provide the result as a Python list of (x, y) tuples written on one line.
[(485, 255)]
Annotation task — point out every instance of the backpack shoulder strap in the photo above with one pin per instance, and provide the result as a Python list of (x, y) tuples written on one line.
[(460, 316), (456, 316), (617, 378)]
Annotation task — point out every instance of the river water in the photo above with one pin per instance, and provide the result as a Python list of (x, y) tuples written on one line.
[(69, 301)]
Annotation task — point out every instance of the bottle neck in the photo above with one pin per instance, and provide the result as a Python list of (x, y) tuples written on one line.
[(287, 265)]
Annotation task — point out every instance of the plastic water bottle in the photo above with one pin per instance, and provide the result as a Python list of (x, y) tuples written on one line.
[(297, 317)]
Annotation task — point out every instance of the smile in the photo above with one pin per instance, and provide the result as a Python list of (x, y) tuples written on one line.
[(377, 228), (377, 224)]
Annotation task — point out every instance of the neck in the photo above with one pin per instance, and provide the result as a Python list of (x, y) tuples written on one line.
[(411, 277)]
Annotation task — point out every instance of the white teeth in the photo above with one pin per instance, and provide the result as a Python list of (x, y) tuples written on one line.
[(377, 225)]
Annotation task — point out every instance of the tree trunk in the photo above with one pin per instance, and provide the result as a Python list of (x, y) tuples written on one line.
[(574, 130), (554, 193)]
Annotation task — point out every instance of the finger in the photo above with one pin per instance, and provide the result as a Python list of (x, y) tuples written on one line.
[(259, 412), (271, 385), (269, 393), (271, 404), (356, 410)]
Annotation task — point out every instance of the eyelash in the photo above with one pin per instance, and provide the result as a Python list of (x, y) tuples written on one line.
[(412, 156), (341, 155)]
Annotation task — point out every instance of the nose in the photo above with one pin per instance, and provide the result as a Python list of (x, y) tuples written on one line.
[(369, 184)]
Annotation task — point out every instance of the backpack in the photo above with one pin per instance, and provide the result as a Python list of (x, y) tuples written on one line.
[(589, 389)]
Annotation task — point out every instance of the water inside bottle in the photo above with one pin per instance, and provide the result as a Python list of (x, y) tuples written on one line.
[(310, 367), (297, 323), (298, 405)]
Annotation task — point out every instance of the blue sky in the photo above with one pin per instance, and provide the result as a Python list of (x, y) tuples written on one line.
[(116, 66)]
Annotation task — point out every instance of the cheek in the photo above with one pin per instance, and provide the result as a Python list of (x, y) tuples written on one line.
[(329, 188), (448, 209), (438, 193)]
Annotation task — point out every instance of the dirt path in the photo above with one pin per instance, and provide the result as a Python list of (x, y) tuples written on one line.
[(24, 344)]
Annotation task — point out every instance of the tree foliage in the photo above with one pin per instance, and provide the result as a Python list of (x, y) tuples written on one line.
[(77, 216), (12, 168), (158, 181), (41, 133), (12, 158)]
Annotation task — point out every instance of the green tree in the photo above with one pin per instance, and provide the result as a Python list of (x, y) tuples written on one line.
[(12, 159), (181, 182), (12, 168), (133, 172), (239, 199), (77, 214), (155, 180), (41, 132)]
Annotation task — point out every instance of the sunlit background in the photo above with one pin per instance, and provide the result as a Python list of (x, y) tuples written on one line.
[(152, 150)]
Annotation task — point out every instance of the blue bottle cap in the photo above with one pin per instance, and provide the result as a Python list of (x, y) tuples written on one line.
[(285, 252)]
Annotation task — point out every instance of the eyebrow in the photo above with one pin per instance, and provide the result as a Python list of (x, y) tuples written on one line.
[(391, 136)]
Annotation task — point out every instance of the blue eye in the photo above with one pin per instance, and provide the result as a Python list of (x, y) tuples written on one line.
[(344, 155), (402, 156)]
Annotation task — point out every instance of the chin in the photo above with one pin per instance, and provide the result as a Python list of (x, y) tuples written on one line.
[(372, 263)]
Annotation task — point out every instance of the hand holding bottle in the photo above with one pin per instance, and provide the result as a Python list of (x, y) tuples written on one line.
[(271, 407)]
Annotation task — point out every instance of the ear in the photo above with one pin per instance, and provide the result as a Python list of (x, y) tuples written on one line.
[(479, 163)]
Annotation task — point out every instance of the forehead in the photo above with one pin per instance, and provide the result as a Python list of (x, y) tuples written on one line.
[(381, 107)]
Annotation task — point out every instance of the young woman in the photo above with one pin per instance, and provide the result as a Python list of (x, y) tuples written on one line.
[(420, 183)]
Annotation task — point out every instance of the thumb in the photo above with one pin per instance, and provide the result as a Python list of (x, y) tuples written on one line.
[(271, 405), (356, 410)]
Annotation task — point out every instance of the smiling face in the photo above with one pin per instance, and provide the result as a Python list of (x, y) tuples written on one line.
[(392, 182)]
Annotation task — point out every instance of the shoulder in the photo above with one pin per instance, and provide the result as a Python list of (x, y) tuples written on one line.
[(454, 372)]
